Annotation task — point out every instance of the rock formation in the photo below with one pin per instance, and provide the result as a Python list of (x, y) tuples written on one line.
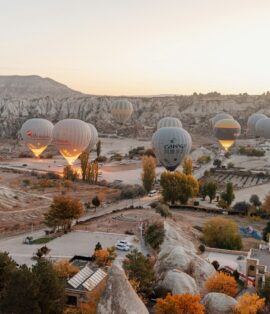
[(218, 303)]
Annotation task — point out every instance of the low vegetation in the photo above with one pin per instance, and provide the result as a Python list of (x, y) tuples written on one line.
[(250, 151), (222, 283), (154, 235)]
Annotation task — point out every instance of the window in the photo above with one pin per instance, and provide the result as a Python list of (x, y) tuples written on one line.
[(251, 267), (71, 300)]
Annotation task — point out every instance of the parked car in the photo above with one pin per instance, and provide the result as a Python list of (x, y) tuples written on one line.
[(152, 193), (122, 247), (124, 243)]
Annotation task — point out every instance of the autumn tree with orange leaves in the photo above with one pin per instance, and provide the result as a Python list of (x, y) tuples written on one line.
[(105, 257), (179, 304), (249, 304), (223, 283), (65, 269)]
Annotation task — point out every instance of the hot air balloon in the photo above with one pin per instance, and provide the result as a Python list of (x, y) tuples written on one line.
[(226, 131), (171, 146), (169, 122), (252, 120), (220, 116), (71, 137), (121, 110), (37, 134), (94, 136), (262, 128)]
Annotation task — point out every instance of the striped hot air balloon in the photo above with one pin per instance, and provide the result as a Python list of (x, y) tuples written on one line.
[(220, 116), (169, 122), (121, 110), (226, 131), (252, 120)]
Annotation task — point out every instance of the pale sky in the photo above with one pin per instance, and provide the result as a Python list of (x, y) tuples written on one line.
[(139, 47)]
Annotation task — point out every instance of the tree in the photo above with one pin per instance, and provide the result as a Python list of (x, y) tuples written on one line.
[(139, 268), (177, 186), (155, 234), (228, 196), (249, 304), (149, 172), (21, 293), (65, 269), (163, 210), (7, 267), (96, 201), (98, 147), (209, 189), (215, 264), (255, 200), (264, 290), (62, 212), (266, 232), (242, 207), (92, 172), (187, 166), (102, 257), (217, 163), (70, 174), (98, 246), (185, 303), (266, 204), (51, 293), (84, 157), (222, 283), (222, 233)]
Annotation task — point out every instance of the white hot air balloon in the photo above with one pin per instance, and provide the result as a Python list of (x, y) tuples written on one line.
[(121, 110), (37, 134), (220, 116), (94, 136), (252, 120), (71, 137), (262, 128), (171, 146), (169, 122)]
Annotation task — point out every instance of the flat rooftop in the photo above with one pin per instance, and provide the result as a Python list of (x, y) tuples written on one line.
[(262, 255)]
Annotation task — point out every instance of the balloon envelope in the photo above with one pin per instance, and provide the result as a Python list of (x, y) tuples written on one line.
[(71, 137), (252, 120), (226, 131), (169, 122), (220, 116), (171, 146), (121, 110), (94, 136), (262, 128), (37, 134)]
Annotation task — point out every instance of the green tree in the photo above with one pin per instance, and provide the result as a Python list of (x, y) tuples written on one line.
[(21, 293), (84, 157), (163, 210), (266, 231), (63, 211), (187, 166), (149, 172), (7, 267), (242, 207), (154, 235), (139, 268), (98, 147), (51, 293), (222, 233), (177, 186), (228, 196), (255, 200)]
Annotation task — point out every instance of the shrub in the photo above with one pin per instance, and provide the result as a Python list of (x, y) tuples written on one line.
[(185, 303), (215, 264), (131, 191), (163, 210), (242, 207), (249, 304), (101, 159), (154, 235), (222, 283)]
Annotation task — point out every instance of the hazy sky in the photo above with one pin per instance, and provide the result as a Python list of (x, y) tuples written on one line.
[(139, 46)]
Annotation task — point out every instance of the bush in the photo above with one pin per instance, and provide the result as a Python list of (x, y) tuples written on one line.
[(215, 264), (163, 210), (222, 233), (154, 235), (222, 283), (131, 191), (242, 207), (202, 248), (26, 182)]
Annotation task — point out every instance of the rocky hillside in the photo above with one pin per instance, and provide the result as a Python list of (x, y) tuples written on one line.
[(60, 102)]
